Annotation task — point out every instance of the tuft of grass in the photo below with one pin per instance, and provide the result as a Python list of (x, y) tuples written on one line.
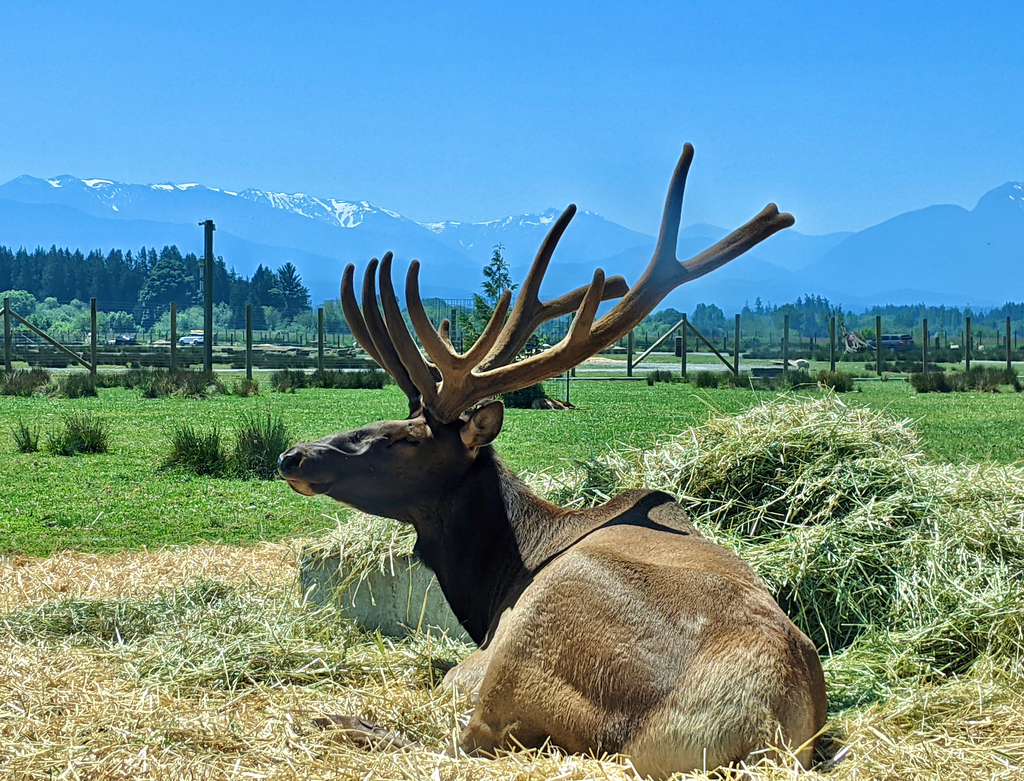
[(199, 452), (289, 380), (157, 383), (259, 440), (707, 379), (662, 375), (985, 379), (26, 438), (373, 379), (931, 382), (80, 433), (838, 381), (73, 385), (245, 387), (19, 382)]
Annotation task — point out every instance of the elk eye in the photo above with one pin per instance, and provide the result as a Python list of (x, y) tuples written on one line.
[(403, 443)]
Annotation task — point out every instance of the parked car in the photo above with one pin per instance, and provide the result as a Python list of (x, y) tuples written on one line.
[(895, 342), (122, 339), (191, 340)]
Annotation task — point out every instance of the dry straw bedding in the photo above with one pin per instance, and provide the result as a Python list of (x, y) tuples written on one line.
[(204, 663)]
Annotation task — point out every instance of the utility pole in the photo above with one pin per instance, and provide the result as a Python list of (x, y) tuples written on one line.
[(208, 229)]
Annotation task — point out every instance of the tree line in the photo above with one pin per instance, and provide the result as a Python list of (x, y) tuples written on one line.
[(143, 284), (809, 317), (135, 289)]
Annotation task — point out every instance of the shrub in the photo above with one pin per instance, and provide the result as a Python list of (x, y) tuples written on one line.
[(333, 378), (707, 379), (245, 387), (799, 377), (931, 382), (81, 433), (200, 452), (259, 441), (154, 383), (19, 382), (837, 381), (986, 379), (26, 438), (288, 380), (741, 380), (662, 375), (73, 385), (523, 398)]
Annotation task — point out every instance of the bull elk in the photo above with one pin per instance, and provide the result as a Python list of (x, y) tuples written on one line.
[(612, 629)]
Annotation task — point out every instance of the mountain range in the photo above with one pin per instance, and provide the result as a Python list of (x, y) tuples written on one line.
[(938, 255)]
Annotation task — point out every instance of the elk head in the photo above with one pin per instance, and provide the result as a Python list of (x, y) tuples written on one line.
[(404, 469)]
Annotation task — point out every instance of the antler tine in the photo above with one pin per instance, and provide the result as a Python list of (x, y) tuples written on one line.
[(574, 347), (769, 221), (529, 312), (493, 329), (408, 353), (436, 343), (354, 317), (381, 339)]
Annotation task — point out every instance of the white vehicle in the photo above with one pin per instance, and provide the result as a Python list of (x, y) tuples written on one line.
[(192, 340)]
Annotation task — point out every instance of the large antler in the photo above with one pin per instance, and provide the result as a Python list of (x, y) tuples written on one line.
[(487, 368)]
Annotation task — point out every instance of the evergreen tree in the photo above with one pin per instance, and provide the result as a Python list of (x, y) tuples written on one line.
[(497, 277), (294, 294), (168, 281)]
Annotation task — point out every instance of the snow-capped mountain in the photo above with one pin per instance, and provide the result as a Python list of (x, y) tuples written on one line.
[(910, 258)]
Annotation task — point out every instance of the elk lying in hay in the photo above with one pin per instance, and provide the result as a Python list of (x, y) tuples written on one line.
[(614, 629)]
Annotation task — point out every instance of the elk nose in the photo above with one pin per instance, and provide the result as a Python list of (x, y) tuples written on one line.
[(288, 462)]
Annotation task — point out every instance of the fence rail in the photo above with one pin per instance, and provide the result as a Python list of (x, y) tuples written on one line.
[(26, 342)]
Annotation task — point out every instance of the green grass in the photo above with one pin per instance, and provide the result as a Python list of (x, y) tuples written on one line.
[(122, 499)]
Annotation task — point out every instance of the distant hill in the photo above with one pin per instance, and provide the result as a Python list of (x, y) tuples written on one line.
[(941, 254)]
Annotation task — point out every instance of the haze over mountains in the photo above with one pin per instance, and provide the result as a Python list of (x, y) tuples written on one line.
[(937, 255)]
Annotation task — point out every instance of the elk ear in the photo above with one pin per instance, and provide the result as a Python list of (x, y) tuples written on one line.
[(482, 424)]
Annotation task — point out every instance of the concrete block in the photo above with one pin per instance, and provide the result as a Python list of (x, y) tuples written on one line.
[(408, 601)]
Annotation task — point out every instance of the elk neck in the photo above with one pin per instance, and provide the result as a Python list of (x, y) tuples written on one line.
[(484, 539)]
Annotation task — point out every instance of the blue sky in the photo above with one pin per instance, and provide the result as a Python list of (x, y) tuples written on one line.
[(843, 114)]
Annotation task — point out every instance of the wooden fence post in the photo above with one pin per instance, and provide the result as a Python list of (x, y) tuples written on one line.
[(7, 333), (878, 345), (832, 344), (174, 335), (924, 346), (736, 349), (248, 341), (1009, 362), (92, 345), (682, 368), (208, 229), (629, 354), (320, 339), (785, 346), (967, 346)]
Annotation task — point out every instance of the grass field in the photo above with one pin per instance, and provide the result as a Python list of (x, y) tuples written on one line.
[(124, 499), (151, 626)]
